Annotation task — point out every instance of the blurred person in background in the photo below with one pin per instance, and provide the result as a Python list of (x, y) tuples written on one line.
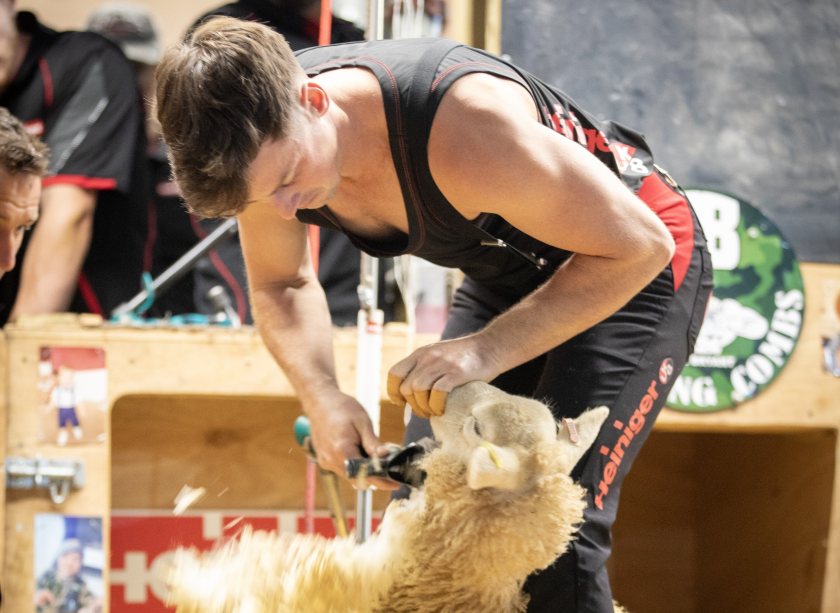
[(23, 161), (172, 230), (76, 91)]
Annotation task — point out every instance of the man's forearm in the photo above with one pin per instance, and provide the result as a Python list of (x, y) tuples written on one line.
[(56, 251), (294, 323), (581, 293)]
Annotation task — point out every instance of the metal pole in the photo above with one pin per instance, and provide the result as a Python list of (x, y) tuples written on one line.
[(178, 269), (368, 366), (369, 323), (376, 27)]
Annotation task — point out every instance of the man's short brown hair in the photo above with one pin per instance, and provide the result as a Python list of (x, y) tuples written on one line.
[(20, 151), (221, 93)]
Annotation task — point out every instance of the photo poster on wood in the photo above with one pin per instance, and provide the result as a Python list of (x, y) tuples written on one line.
[(69, 560), (830, 326), (72, 395)]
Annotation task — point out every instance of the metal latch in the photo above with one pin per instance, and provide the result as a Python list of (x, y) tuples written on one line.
[(59, 476)]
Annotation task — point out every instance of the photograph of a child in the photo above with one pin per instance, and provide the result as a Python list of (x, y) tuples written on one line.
[(68, 564), (72, 394)]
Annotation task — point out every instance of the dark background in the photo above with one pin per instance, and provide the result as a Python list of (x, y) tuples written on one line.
[(742, 97)]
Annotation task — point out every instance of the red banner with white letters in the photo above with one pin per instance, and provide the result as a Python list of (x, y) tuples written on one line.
[(143, 544)]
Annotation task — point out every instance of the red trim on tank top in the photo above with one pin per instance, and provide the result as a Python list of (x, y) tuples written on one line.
[(673, 209)]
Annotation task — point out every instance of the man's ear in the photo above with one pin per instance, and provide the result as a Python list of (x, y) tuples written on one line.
[(577, 435), (314, 97)]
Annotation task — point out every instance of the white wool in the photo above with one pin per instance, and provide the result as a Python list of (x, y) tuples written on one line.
[(450, 547)]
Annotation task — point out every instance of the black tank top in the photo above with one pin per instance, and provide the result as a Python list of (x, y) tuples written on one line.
[(414, 76)]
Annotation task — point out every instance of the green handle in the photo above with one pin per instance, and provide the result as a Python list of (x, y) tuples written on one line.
[(302, 430)]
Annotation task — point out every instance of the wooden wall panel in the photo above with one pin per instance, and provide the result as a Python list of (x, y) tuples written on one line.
[(727, 521), (242, 450), (716, 502)]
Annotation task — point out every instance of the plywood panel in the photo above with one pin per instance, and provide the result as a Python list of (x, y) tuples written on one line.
[(242, 450), (655, 539), (767, 505), (803, 394), (726, 522)]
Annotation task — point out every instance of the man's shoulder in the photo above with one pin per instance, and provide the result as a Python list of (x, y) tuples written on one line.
[(83, 44), (74, 55)]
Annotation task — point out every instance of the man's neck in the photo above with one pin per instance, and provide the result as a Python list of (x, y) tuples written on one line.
[(355, 118)]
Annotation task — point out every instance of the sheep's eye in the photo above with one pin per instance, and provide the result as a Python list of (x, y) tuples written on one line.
[(476, 427)]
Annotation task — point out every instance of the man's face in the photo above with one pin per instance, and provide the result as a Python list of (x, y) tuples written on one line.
[(69, 565), (19, 198), (8, 42), (298, 172)]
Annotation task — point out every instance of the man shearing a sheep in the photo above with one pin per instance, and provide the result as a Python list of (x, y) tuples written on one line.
[(586, 271)]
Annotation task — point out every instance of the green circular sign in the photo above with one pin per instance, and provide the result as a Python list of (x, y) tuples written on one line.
[(755, 314)]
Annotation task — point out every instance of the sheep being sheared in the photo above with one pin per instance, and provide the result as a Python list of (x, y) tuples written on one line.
[(497, 505)]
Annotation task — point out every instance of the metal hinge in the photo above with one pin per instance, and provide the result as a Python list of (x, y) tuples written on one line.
[(59, 476)]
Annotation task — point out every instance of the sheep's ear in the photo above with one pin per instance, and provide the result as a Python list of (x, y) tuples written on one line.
[(493, 466), (577, 435)]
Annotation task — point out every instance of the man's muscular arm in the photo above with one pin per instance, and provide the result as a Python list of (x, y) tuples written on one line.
[(56, 251), (488, 153), (291, 313)]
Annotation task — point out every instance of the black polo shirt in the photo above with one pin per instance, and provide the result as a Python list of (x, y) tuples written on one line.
[(78, 93)]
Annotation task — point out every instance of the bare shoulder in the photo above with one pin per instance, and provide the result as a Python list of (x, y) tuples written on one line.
[(488, 93), (483, 124), (478, 106), (488, 152)]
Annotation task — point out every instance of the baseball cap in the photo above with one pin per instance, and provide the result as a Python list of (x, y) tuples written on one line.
[(131, 27), (71, 545)]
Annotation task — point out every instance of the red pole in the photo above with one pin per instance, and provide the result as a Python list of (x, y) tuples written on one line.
[(325, 29), (324, 38)]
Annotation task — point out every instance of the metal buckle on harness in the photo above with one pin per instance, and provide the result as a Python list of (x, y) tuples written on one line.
[(539, 262)]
